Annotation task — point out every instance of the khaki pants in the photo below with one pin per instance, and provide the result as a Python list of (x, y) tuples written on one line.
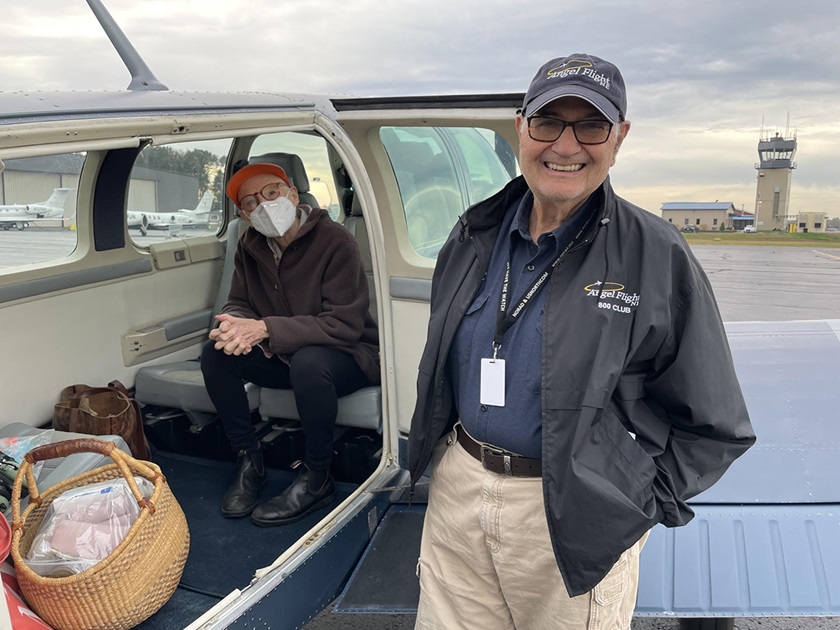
[(486, 561)]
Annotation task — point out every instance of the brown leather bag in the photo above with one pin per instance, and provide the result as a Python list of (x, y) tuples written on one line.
[(102, 411)]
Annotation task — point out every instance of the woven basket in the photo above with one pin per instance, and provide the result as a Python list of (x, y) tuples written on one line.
[(136, 579)]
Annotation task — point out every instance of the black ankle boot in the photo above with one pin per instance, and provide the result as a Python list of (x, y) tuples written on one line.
[(241, 497), (309, 491)]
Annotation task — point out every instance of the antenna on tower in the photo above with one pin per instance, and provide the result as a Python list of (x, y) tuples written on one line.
[(787, 125), (762, 127)]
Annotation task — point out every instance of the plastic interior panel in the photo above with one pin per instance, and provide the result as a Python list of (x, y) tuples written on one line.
[(362, 408)]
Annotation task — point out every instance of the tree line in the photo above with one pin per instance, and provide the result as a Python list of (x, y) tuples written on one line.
[(207, 167)]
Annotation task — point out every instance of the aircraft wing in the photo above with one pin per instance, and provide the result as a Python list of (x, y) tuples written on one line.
[(766, 538)]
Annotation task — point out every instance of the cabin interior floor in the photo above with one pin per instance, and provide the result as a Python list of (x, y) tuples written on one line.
[(224, 553)]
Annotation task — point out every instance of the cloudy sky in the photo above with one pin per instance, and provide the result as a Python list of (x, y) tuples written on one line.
[(704, 78)]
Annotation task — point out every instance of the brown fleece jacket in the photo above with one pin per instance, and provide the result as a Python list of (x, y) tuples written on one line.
[(316, 296)]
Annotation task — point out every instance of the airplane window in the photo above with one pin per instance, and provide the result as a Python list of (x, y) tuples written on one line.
[(487, 174), (176, 191), (440, 172), (316, 181), (38, 208)]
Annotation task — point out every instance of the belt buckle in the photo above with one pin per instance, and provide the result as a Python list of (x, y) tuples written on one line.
[(500, 453)]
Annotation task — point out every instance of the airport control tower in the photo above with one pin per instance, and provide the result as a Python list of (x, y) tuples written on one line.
[(772, 194)]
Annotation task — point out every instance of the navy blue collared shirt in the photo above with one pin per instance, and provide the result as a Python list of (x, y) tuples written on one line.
[(517, 426)]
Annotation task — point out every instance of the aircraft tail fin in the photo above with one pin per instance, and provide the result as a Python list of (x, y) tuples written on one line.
[(57, 198), (205, 203)]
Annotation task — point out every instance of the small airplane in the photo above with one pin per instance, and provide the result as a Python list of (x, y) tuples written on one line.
[(200, 216), (21, 216), (764, 543)]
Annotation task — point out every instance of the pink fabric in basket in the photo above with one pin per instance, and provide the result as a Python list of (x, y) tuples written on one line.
[(89, 540)]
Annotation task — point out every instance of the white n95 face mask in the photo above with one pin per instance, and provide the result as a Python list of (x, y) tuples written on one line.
[(274, 218)]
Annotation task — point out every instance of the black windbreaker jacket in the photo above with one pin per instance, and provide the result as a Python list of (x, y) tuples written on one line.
[(641, 407)]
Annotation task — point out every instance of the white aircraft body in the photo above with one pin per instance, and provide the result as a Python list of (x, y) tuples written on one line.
[(199, 216), (21, 216)]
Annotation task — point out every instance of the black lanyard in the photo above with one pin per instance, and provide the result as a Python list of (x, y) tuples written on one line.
[(505, 319)]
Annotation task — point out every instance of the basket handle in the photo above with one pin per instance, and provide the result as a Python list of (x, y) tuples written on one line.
[(82, 445), (69, 447)]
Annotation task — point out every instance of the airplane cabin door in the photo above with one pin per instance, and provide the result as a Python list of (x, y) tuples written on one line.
[(423, 161)]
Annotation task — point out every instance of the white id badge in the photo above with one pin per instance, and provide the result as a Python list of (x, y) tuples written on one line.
[(493, 382)]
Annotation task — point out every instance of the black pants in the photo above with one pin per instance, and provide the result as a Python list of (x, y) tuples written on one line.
[(318, 375)]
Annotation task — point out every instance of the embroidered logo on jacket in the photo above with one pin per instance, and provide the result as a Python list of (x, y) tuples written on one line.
[(613, 296)]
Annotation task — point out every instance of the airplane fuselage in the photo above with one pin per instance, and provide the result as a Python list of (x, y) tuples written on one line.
[(32, 211), (20, 216), (200, 216)]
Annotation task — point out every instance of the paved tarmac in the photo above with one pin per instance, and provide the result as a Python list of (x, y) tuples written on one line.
[(753, 283)]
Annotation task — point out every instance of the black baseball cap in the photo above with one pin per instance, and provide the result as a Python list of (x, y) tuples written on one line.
[(586, 76)]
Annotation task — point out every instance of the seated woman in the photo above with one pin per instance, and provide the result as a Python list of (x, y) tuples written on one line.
[(296, 317)]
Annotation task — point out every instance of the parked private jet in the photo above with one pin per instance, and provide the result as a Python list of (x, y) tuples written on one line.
[(21, 216), (200, 216)]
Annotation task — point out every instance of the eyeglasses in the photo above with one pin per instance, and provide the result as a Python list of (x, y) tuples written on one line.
[(547, 129), (270, 192)]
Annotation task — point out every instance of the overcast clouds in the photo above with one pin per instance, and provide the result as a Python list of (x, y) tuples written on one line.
[(701, 76)]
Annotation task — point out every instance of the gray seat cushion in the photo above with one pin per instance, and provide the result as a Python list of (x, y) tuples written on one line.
[(180, 386), (362, 408)]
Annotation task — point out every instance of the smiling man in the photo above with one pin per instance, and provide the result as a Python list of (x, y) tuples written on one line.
[(576, 387)]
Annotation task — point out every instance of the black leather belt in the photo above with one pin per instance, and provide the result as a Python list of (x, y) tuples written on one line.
[(498, 461)]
